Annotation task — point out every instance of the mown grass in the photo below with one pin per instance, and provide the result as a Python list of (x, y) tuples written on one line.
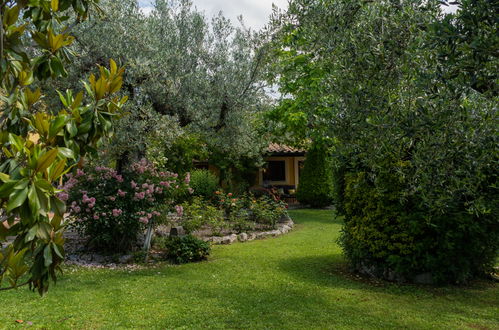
[(297, 281)]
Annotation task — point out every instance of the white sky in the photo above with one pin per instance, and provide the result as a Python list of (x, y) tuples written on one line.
[(255, 12)]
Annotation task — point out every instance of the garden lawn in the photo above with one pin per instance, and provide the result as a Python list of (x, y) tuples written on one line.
[(297, 281)]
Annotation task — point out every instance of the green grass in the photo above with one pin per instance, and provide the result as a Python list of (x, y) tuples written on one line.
[(296, 281)]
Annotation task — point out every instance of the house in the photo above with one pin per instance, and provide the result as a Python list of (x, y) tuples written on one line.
[(282, 168)]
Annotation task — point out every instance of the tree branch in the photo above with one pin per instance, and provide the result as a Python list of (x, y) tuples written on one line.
[(14, 287)]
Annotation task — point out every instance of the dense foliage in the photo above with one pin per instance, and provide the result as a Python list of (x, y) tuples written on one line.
[(184, 249), (199, 213), (233, 213), (112, 209), (408, 96), (190, 79), (316, 179), (204, 183), (41, 142)]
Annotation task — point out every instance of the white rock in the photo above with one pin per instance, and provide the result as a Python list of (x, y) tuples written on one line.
[(243, 237)]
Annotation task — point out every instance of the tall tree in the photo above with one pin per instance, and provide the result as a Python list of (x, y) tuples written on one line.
[(204, 76)]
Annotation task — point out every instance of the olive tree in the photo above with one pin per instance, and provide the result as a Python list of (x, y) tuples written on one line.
[(202, 76)]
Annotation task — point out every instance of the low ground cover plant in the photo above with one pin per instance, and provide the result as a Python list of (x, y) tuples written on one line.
[(230, 212), (199, 213), (111, 209)]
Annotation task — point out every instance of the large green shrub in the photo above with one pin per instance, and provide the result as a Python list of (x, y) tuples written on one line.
[(409, 96), (204, 183), (390, 237), (316, 180)]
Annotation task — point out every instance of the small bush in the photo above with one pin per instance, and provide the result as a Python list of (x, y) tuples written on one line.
[(199, 213), (316, 180), (204, 183), (181, 250), (267, 211)]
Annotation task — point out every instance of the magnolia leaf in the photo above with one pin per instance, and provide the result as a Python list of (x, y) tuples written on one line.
[(17, 198), (46, 160)]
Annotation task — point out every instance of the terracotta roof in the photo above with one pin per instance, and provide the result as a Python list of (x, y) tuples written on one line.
[(283, 149)]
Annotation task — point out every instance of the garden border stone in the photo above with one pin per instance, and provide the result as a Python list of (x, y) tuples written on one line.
[(283, 227)]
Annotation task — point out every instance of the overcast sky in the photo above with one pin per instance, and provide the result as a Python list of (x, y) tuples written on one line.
[(255, 12)]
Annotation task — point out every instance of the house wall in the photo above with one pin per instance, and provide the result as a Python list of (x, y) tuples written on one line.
[(291, 171)]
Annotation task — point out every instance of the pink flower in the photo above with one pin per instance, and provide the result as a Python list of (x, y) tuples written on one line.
[(187, 178), (112, 198), (165, 184), (76, 209), (156, 213), (140, 195), (180, 210), (96, 217), (85, 199), (91, 206), (133, 184), (79, 173), (191, 191), (144, 220), (121, 193), (63, 196), (117, 212)]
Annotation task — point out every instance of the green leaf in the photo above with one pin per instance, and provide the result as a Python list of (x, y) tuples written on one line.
[(58, 170), (46, 160), (34, 203), (43, 231), (6, 188), (47, 255), (66, 152), (31, 234), (72, 129), (17, 198), (11, 15), (58, 206), (4, 177), (57, 125), (16, 141), (57, 251)]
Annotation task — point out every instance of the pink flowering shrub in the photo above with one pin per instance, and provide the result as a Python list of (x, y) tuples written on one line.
[(112, 209)]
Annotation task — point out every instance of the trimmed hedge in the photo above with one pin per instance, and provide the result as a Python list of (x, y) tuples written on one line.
[(398, 239), (316, 180)]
